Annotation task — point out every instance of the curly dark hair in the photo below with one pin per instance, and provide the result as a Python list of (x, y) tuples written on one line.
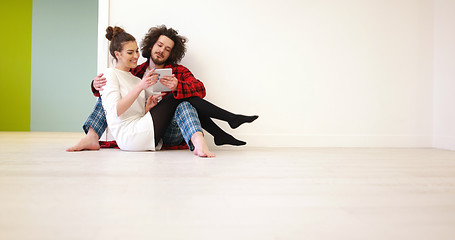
[(177, 52)]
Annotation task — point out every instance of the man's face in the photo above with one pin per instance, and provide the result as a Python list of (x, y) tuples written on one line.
[(161, 50)]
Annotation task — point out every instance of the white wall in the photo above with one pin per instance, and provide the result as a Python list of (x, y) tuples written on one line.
[(332, 73), (444, 74)]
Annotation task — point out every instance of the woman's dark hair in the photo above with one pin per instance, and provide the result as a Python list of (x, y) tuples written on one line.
[(118, 37), (177, 52)]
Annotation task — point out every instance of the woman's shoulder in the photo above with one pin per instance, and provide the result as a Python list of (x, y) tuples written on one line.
[(117, 73), (108, 72)]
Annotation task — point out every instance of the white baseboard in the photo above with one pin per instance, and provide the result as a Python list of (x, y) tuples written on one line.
[(444, 142), (332, 141), (367, 141)]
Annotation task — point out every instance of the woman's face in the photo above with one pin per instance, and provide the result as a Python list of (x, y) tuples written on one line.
[(128, 57)]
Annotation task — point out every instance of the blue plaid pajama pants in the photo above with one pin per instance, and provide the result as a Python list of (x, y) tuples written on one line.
[(96, 120), (183, 125)]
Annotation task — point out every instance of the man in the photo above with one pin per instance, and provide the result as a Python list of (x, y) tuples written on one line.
[(163, 48)]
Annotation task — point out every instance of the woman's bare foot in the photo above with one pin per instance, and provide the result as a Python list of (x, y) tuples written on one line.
[(89, 142), (200, 146)]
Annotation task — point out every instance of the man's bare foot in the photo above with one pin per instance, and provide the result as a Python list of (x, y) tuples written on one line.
[(89, 142), (200, 146)]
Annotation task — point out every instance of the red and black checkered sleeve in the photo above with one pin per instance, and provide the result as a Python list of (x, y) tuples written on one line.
[(188, 85), (94, 91)]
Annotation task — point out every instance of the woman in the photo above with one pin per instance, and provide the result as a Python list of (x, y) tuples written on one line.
[(127, 110), (127, 107)]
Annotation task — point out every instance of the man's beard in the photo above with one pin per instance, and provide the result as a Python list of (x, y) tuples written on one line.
[(157, 61)]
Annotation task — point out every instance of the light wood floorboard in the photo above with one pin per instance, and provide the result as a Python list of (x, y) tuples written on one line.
[(243, 193)]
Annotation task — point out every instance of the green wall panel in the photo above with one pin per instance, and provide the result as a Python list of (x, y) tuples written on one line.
[(64, 52), (16, 26)]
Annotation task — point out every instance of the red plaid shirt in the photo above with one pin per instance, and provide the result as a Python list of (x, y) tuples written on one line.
[(188, 85)]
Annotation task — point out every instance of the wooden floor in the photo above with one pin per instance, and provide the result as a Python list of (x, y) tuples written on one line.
[(243, 193)]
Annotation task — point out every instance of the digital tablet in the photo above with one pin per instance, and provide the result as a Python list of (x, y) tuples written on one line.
[(159, 87)]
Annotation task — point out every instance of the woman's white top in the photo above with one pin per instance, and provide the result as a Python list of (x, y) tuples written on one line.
[(133, 130)]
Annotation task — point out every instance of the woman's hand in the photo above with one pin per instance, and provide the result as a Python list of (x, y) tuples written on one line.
[(148, 80), (99, 82), (152, 101)]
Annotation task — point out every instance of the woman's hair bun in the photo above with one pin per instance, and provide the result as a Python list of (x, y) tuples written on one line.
[(111, 32)]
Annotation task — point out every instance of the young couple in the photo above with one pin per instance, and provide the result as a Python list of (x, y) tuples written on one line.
[(142, 120)]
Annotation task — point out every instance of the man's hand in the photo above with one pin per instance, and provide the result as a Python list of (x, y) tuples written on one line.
[(170, 81), (99, 82)]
